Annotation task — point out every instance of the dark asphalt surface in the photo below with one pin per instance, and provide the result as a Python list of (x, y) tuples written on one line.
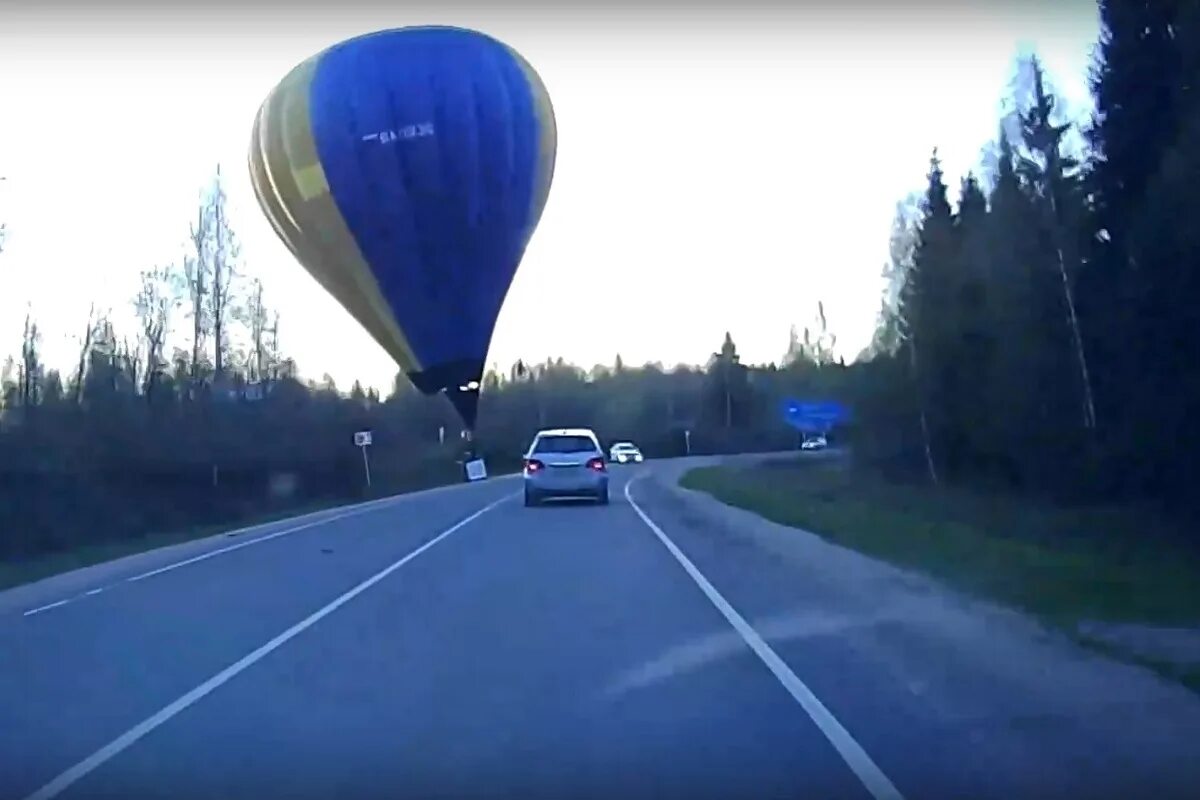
[(559, 651)]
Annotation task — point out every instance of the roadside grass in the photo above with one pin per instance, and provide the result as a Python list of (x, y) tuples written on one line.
[(1187, 674), (21, 571), (1063, 564), (390, 481)]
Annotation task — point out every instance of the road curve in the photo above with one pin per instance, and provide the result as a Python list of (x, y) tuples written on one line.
[(453, 643)]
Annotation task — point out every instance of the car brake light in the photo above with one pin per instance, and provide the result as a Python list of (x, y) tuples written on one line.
[(533, 465), (596, 464)]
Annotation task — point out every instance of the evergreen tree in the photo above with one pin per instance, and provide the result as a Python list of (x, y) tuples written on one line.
[(928, 330), (1134, 88), (1013, 250), (1055, 179), (728, 390), (1165, 241), (974, 346)]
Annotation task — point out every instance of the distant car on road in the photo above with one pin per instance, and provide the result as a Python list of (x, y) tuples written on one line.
[(624, 452), (565, 462), (814, 443)]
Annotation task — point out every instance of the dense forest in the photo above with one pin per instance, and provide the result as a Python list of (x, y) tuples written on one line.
[(1047, 326), (1037, 334)]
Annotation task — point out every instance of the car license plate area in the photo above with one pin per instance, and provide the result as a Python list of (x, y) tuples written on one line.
[(565, 475)]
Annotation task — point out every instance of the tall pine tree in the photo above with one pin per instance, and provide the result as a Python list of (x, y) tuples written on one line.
[(928, 329), (1136, 116), (974, 349), (1139, 292)]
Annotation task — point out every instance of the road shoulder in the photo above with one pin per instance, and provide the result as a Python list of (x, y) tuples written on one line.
[(953, 650), (54, 588)]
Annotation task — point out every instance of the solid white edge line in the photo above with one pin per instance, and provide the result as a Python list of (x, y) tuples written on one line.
[(47, 607), (240, 545), (333, 516), (209, 554), (346, 511), (851, 751), (73, 774)]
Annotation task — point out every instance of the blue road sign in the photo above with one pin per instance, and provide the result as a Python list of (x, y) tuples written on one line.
[(811, 417)]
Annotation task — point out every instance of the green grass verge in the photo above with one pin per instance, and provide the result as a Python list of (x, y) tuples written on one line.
[(1063, 564)]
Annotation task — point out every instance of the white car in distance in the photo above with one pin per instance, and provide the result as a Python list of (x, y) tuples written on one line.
[(814, 443), (624, 453)]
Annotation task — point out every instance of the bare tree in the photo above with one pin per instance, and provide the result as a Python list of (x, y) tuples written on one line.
[(826, 340), (274, 356), (155, 300), (31, 365), (223, 253), (8, 387), (197, 270), (131, 362), (105, 360), (209, 271), (811, 350), (256, 319), (85, 349), (262, 362)]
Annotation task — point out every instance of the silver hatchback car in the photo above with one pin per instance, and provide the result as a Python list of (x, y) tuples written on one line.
[(565, 462)]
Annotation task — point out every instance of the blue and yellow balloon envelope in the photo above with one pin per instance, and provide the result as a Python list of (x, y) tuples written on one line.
[(407, 170)]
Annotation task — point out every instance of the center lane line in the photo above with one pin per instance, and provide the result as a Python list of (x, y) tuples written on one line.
[(114, 748)]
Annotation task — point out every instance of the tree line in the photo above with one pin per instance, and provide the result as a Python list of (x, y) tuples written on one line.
[(144, 435), (1041, 331), (1036, 334)]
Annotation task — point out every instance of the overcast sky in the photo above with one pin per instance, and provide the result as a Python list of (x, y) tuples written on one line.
[(717, 170)]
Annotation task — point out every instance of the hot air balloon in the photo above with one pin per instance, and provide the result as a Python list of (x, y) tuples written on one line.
[(406, 170)]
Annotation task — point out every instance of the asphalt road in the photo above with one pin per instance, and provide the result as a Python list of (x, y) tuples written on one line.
[(456, 644)]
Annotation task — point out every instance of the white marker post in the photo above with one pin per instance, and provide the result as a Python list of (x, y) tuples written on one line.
[(362, 440), (687, 442)]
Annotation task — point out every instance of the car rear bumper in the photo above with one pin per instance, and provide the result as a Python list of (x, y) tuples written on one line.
[(583, 483)]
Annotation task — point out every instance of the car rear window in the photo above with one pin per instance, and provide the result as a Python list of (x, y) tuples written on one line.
[(564, 444)]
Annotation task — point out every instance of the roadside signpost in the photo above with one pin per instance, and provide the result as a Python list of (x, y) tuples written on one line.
[(362, 440), (473, 465), (476, 470)]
